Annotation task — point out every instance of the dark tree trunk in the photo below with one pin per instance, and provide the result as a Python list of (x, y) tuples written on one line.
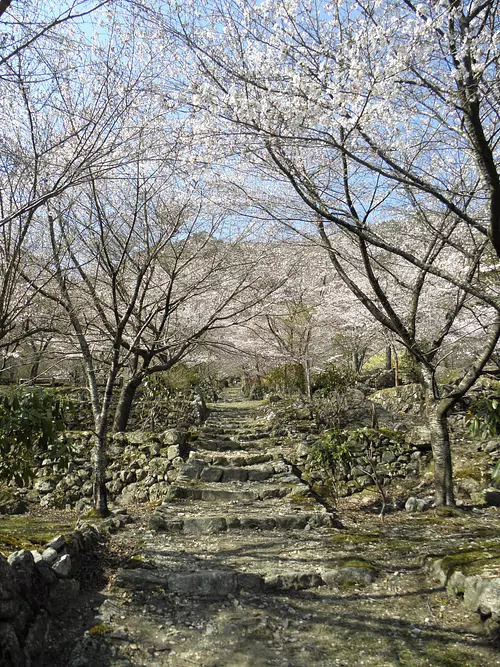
[(125, 403), (99, 491), (35, 367), (356, 361), (388, 357), (307, 373), (4, 6), (437, 419), (443, 471)]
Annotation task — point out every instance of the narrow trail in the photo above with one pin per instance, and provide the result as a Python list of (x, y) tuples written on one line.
[(232, 570)]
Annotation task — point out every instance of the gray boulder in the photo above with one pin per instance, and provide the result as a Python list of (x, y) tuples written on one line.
[(415, 504), (133, 494), (12, 504)]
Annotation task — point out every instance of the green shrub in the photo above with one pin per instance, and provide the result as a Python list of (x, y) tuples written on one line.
[(31, 423), (483, 417), (375, 362), (287, 379), (333, 454), (408, 370), (483, 421), (334, 378)]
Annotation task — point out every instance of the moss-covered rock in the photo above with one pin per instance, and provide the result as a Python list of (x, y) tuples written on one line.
[(349, 572)]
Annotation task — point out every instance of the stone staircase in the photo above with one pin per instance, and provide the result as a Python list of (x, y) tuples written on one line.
[(235, 496), (240, 567)]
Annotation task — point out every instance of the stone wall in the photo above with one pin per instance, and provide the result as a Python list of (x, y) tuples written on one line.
[(473, 575), (383, 457), (406, 400), (36, 586), (140, 468)]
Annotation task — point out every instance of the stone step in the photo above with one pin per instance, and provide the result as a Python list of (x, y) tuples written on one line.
[(218, 445), (234, 474), (251, 437), (238, 459), (232, 494), (163, 521), (233, 434), (199, 468), (216, 583)]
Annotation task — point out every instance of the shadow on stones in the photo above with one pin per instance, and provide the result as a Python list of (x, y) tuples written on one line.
[(68, 633)]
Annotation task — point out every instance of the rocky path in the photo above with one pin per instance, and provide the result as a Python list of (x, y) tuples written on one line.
[(239, 568)]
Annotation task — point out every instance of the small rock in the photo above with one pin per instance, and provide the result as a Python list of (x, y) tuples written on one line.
[(62, 567), (492, 497), (49, 555), (57, 543), (415, 504)]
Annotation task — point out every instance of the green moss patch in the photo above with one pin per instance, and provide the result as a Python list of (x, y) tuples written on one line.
[(358, 538), (358, 563), (100, 630), (472, 561), (25, 532), (469, 473)]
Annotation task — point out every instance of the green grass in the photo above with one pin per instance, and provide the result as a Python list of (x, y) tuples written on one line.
[(25, 532)]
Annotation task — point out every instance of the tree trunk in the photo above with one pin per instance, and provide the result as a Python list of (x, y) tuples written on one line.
[(388, 357), (35, 367), (440, 442), (307, 369), (396, 368), (437, 420), (99, 492), (125, 403), (356, 361)]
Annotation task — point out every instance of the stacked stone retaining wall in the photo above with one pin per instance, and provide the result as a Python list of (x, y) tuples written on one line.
[(36, 586)]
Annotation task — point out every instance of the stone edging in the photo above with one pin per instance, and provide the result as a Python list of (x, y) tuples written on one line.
[(35, 586), (481, 592)]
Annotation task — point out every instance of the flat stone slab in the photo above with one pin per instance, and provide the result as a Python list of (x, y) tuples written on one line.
[(210, 525), (141, 578), (231, 496), (211, 474), (204, 526), (235, 475), (294, 581), (216, 583), (211, 583)]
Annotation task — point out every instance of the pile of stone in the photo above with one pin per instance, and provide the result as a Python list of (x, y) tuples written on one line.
[(406, 400), (140, 467), (34, 586), (475, 576), (384, 457)]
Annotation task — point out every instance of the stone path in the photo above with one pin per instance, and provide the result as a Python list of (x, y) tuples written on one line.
[(240, 568)]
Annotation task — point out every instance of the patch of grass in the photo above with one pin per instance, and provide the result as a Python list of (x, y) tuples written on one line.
[(25, 532), (472, 561), (469, 473), (447, 656), (100, 630), (346, 538), (359, 563)]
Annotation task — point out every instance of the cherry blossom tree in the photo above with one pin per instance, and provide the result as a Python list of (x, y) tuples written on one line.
[(70, 102), (143, 269), (370, 112)]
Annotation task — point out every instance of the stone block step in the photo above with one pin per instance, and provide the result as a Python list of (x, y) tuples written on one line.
[(215, 445), (235, 474), (210, 525), (239, 460), (177, 492), (236, 427), (215, 583), (251, 437)]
